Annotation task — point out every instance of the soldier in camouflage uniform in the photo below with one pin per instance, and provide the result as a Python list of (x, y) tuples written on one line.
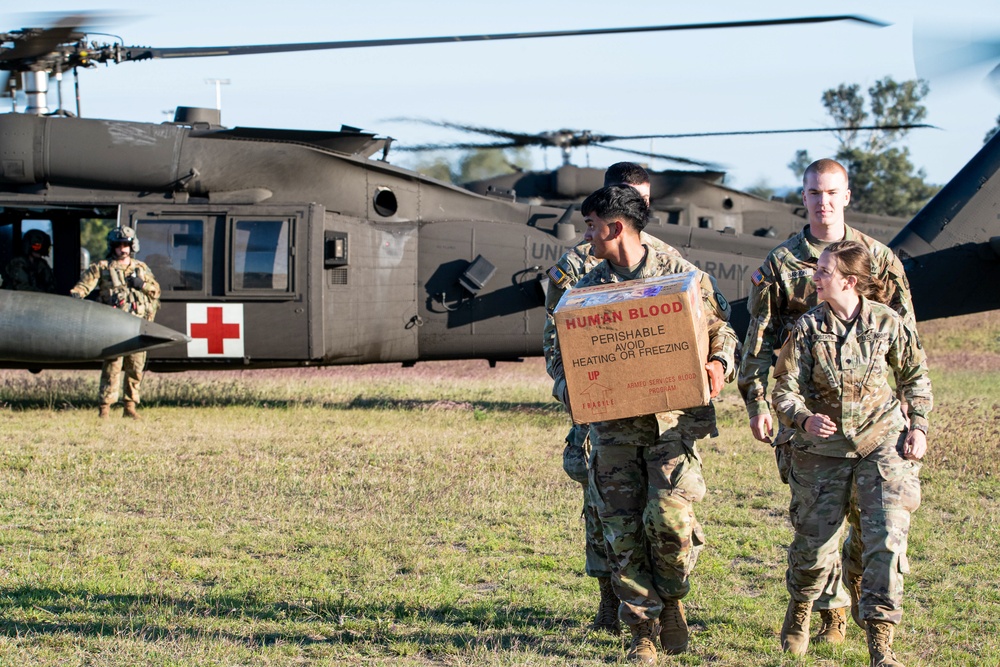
[(645, 472), (781, 290), (125, 283), (576, 454), (832, 388), (30, 272)]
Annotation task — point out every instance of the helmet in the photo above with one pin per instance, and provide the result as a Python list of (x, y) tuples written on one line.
[(35, 240), (122, 235)]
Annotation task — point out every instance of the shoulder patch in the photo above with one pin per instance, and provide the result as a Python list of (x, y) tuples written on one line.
[(757, 277), (558, 276), (723, 304)]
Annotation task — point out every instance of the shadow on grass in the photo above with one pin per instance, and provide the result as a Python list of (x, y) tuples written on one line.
[(151, 618)]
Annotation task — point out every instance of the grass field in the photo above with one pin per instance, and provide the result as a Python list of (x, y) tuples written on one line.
[(388, 516)]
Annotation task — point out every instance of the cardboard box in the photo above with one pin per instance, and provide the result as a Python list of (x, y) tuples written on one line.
[(634, 348)]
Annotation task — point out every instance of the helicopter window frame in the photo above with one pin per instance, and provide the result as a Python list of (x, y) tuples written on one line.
[(238, 243), (169, 288)]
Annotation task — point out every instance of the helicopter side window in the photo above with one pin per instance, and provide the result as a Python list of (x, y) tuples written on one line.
[(174, 251), (261, 250)]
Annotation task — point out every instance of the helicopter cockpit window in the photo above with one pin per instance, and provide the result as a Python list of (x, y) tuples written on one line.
[(261, 255), (174, 251)]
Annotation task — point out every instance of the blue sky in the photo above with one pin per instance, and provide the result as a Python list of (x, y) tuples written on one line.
[(761, 78)]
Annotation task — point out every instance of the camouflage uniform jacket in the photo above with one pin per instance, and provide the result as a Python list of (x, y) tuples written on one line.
[(782, 290), (572, 266), (28, 274), (841, 370), (689, 424), (112, 279)]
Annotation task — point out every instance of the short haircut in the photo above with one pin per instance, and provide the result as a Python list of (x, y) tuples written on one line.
[(625, 173), (618, 202), (824, 166)]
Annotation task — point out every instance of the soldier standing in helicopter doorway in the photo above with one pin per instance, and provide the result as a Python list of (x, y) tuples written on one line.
[(127, 284), (31, 272)]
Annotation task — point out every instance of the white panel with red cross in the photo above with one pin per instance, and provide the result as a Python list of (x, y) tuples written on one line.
[(216, 329)]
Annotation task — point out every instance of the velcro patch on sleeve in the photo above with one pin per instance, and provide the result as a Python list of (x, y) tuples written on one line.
[(558, 276)]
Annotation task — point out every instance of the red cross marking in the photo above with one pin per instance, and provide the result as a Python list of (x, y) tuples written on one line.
[(215, 331)]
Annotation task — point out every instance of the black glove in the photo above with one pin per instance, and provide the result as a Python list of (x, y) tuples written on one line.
[(135, 282)]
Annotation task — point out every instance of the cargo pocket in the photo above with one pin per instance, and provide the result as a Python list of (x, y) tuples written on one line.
[(783, 458), (686, 478), (903, 564), (900, 484), (697, 544)]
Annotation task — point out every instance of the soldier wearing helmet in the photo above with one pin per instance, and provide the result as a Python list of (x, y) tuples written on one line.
[(31, 272), (125, 283)]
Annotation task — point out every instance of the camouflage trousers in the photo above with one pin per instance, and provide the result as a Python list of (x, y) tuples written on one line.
[(576, 463), (887, 488), (131, 366), (834, 594), (644, 497)]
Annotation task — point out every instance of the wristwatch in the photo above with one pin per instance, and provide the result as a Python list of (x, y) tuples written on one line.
[(725, 366)]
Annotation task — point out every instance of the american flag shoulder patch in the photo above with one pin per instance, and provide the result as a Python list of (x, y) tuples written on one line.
[(757, 277), (557, 275)]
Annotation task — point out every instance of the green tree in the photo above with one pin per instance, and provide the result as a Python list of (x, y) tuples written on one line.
[(992, 133), (475, 164), (883, 179), (94, 236)]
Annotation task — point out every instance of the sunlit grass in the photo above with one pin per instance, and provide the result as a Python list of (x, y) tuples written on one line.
[(380, 515)]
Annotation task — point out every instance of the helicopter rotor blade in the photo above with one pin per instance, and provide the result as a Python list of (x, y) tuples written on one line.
[(448, 147), (611, 137), (673, 158), (942, 54), (474, 129), (134, 53), (46, 40)]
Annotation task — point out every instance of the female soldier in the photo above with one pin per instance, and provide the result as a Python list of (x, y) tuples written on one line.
[(832, 387)]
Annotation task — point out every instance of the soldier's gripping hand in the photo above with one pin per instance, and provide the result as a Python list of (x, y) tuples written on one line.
[(762, 427), (135, 281), (716, 377), (820, 425), (915, 445)]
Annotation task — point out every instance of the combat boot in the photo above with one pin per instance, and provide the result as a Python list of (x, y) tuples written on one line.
[(854, 587), (834, 626), (673, 627), (103, 411), (880, 634), (795, 630), (643, 648), (129, 410), (607, 611)]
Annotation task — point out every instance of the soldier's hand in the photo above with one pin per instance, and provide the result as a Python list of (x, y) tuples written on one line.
[(915, 445), (716, 377), (762, 428), (136, 282), (820, 425)]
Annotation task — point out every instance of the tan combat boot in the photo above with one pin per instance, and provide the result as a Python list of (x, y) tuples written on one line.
[(129, 410), (607, 611), (854, 587), (795, 630), (673, 627), (833, 628), (880, 634), (103, 411), (643, 648)]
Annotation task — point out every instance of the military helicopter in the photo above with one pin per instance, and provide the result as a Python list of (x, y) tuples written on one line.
[(684, 197), (279, 247)]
